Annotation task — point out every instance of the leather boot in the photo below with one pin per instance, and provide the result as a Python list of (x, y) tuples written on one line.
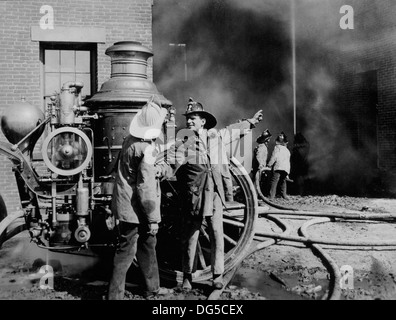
[(218, 282)]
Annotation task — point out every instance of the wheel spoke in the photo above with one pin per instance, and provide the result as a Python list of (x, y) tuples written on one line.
[(234, 213), (234, 209), (230, 240), (233, 222)]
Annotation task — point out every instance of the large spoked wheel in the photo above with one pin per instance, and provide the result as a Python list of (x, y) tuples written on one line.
[(239, 220)]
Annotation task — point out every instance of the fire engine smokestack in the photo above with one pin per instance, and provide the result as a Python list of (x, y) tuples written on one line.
[(117, 102), (128, 84)]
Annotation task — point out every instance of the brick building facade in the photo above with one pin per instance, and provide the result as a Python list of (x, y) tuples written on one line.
[(28, 45), (368, 78)]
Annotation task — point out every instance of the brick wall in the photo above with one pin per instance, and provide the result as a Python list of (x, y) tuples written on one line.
[(19, 56), (371, 46)]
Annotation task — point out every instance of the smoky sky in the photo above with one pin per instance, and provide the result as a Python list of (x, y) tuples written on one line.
[(239, 58)]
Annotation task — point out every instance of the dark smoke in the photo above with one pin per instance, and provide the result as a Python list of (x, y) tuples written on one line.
[(239, 60)]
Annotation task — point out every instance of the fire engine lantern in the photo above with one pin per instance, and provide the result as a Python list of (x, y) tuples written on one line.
[(117, 102)]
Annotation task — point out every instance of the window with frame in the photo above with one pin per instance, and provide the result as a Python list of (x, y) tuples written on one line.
[(68, 62)]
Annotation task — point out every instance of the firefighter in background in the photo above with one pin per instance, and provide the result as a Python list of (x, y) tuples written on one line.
[(199, 168), (280, 165), (136, 203), (260, 159)]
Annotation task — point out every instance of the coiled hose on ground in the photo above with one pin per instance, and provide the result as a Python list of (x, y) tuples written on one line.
[(330, 264), (215, 294)]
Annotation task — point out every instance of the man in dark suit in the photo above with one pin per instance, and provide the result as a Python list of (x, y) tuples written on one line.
[(199, 167)]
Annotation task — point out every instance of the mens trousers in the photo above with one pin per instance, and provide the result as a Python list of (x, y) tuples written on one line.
[(190, 235), (278, 178), (134, 241)]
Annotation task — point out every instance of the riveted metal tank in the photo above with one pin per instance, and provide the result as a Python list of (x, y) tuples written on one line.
[(118, 101)]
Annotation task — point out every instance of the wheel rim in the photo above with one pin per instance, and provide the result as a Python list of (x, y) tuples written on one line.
[(3, 208)]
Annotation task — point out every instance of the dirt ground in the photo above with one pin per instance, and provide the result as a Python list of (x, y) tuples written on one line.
[(287, 270)]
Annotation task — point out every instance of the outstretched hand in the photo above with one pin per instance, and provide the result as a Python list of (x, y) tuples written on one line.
[(257, 117)]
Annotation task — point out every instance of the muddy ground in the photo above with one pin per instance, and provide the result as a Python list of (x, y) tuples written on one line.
[(284, 271)]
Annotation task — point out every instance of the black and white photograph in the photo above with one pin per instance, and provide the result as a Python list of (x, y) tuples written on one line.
[(198, 154)]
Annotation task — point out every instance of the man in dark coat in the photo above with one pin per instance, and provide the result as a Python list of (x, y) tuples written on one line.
[(200, 157)]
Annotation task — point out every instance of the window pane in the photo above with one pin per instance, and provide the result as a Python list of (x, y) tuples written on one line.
[(86, 80), (52, 83), (65, 77), (64, 65), (83, 61), (67, 61), (51, 60)]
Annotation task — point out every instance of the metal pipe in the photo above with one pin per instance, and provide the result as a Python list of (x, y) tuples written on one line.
[(53, 199), (15, 146), (82, 198), (6, 150)]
